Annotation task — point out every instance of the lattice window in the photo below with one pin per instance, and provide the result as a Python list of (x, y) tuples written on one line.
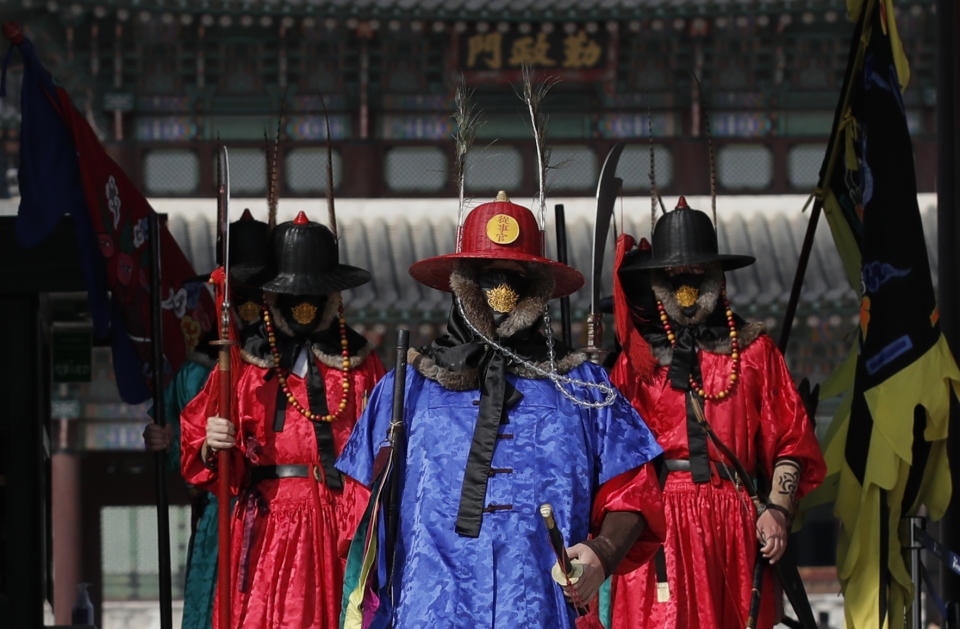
[(305, 170), (803, 165), (416, 169), (171, 172), (574, 168), (745, 167), (492, 168), (634, 166)]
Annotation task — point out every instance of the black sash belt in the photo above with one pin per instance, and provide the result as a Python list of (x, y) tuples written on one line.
[(270, 472)]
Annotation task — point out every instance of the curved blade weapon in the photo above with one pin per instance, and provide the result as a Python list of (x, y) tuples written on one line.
[(608, 189), (226, 390)]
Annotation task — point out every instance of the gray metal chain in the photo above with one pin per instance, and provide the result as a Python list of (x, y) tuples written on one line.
[(558, 380)]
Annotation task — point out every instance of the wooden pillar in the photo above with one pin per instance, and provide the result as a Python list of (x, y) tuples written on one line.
[(67, 530)]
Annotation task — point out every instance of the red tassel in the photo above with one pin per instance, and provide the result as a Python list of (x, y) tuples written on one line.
[(642, 362)]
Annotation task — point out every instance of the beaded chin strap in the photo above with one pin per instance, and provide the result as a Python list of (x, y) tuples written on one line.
[(282, 379), (558, 380)]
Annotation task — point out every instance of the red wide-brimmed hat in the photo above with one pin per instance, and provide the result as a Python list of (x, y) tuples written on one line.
[(499, 230)]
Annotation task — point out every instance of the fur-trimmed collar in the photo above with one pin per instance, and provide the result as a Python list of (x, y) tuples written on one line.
[(745, 336), (463, 283), (707, 302), (710, 291), (467, 380), (330, 309), (327, 319)]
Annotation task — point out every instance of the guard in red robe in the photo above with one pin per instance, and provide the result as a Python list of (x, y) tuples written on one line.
[(303, 382), (688, 360)]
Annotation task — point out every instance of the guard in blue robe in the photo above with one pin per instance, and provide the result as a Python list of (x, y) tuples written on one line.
[(501, 419)]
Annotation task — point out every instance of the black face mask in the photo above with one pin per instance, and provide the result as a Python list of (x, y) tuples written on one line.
[(302, 312), (502, 290), (686, 288)]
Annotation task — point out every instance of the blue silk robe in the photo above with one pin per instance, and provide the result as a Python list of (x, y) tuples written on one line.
[(553, 452)]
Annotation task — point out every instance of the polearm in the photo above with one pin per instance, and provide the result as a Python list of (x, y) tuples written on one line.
[(607, 191), (159, 418), (396, 435), (226, 394), (857, 50), (561, 224)]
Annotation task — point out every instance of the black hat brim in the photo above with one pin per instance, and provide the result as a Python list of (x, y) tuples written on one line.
[(341, 277), (250, 275), (728, 262)]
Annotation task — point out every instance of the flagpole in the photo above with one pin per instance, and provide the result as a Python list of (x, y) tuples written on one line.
[(159, 417), (948, 235), (805, 251), (858, 48)]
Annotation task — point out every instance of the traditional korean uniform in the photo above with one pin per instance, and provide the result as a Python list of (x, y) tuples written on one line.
[(750, 402), (490, 439), (302, 384)]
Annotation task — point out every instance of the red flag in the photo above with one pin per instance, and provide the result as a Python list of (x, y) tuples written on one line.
[(112, 220), (119, 215)]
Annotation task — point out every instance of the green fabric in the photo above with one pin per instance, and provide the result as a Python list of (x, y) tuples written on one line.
[(201, 581), (605, 610)]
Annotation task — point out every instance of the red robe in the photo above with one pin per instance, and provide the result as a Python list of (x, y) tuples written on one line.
[(302, 529), (711, 538)]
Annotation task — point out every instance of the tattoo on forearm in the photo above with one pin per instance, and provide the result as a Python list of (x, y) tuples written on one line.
[(788, 481)]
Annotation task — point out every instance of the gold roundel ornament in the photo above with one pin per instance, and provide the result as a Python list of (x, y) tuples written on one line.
[(249, 311), (503, 229)]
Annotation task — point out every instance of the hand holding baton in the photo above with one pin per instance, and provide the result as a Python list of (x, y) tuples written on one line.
[(564, 572)]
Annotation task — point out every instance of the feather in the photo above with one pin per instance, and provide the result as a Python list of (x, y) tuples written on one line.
[(532, 96), (705, 117), (654, 195), (331, 210), (466, 118), (273, 169)]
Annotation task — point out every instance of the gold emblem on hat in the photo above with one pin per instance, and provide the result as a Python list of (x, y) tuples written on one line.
[(249, 311), (304, 313), (502, 298), (503, 229), (687, 296)]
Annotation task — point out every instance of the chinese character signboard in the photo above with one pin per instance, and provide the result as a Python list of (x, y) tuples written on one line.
[(576, 55)]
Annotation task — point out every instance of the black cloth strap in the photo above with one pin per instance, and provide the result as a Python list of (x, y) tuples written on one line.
[(660, 559), (459, 350), (683, 365), (496, 394), (317, 397)]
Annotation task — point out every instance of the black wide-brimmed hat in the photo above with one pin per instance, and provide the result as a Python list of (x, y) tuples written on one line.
[(684, 237), (308, 261)]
